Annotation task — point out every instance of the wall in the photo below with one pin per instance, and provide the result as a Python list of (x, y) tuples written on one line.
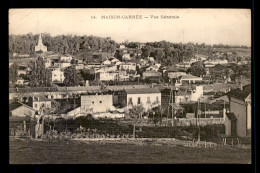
[(22, 112), (144, 99), (47, 104), (182, 99), (197, 94), (249, 119), (238, 107), (96, 103)]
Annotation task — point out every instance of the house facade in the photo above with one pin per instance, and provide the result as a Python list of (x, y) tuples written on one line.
[(96, 103), (36, 102), (148, 98), (240, 107)]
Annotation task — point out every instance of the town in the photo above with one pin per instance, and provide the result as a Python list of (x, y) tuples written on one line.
[(142, 85)]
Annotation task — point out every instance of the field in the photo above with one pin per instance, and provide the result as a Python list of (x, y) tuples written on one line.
[(81, 152)]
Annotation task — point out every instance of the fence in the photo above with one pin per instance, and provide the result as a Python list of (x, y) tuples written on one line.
[(193, 121), (200, 121)]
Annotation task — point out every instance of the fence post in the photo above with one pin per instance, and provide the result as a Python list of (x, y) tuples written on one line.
[(24, 126), (134, 132)]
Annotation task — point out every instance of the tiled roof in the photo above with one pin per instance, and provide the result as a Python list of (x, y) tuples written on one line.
[(14, 105), (189, 77), (242, 95), (40, 98), (142, 91), (151, 73)]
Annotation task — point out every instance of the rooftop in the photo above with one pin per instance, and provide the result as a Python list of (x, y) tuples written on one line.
[(231, 116), (142, 91), (240, 94), (189, 77)]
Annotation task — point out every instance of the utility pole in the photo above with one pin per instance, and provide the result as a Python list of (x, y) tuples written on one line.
[(172, 105), (199, 120)]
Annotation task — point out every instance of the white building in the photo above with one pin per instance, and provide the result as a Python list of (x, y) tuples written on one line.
[(126, 56), (121, 46), (107, 62), (148, 98), (57, 75), (48, 63), (40, 101), (96, 103), (66, 58), (127, 66), (190, 79), (197, 93), (40, 46), (103, 75)]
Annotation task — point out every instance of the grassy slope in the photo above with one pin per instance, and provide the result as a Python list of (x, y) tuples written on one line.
[(25, 152)]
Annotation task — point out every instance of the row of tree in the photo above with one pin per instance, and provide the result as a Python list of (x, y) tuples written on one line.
[(71, 44)]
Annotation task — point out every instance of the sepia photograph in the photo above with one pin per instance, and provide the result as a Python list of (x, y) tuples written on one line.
[(129, 86)]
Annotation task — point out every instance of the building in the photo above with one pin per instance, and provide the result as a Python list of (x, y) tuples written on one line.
[(21, 82), (107, 62), (127, 66), (121, 46), (48, 63), (126, 56), (153, 68), (66, 58), (103, 75), (148, 98), (62, 64), (175, 75), (238, 120), (190, 79), (37, 102), (182, 96), (57, 75), (18, 109), (96, 103), (40, 46), (148, 74)]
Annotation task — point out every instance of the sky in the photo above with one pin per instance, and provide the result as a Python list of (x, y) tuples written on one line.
[(209, 26)]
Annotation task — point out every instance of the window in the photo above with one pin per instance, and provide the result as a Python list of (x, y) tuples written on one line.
[(35, 105), (139, 100), (130, 101), (148, 100), (93, 102), (100, 102), (157, 99)]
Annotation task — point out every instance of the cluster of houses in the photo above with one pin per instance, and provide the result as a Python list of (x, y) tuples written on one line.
[(118, 100)]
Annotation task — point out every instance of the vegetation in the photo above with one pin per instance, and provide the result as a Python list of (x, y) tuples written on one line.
[(13, 73), (72, 78), (197, 69), (71, 44), (39, 76)]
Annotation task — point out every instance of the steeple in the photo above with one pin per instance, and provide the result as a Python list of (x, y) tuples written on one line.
[(40, 45), (40, 40)]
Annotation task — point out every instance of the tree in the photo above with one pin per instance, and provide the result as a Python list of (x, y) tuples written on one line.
[(197, 68), (137, 111), (13, 73), (71, 76), (38, 75)]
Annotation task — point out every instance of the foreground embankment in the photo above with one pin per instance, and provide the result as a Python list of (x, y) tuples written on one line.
[(83, 151)]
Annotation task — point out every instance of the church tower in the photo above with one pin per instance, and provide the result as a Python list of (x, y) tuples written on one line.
[(40, 46)]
